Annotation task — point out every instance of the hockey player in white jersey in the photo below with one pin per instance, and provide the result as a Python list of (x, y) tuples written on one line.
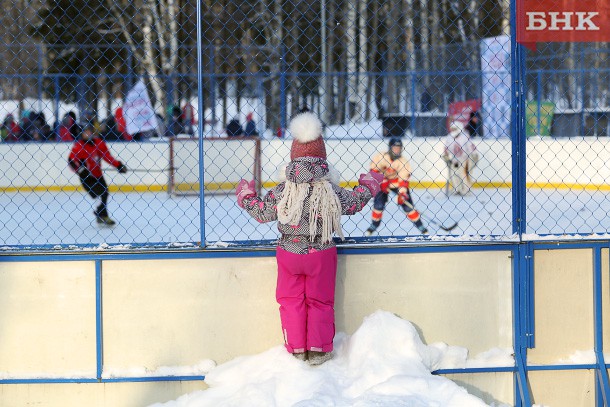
[(461, 157)]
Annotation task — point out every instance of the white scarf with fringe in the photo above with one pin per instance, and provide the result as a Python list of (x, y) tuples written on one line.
[(324, 204)]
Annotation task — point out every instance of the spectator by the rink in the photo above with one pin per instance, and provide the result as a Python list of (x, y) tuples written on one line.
[(188, 118), (234, 128), (26, 126), (68, 129), (308, 206), (40, 130), (175, 125), (250, 130), (10, 130)]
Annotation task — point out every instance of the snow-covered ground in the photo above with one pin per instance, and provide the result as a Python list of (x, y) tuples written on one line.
[(383, 364), (66, 218)]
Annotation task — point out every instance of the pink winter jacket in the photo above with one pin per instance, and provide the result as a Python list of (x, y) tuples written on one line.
[(296, 239)]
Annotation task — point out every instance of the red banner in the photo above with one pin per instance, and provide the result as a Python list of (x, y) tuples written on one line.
[(562, 21)]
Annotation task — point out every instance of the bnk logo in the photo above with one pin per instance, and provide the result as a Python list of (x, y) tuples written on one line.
[(562, 21), (566, 20)]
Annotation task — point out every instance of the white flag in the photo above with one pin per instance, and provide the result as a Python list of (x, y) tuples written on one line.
[(496, 99), (138, 110)]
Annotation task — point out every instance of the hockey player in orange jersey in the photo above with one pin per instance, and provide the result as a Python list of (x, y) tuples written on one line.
[(396, 172)]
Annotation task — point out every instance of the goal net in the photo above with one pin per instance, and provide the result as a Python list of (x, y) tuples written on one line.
[(225, 162)]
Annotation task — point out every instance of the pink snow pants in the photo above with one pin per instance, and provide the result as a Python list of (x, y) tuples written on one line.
[(306, 294)]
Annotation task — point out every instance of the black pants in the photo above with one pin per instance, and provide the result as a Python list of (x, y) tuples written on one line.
[(381, 199), (97, 188)]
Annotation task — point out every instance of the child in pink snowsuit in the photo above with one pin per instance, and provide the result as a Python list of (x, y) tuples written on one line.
[(308, 207)]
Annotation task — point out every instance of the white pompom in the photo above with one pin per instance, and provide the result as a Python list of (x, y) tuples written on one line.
[(305, 127)]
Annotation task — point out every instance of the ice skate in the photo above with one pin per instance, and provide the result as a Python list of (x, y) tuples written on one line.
[(423, 229), (317, 358), (105, 220), (370, 230)]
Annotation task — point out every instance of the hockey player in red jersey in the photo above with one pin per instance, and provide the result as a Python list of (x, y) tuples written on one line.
[(85, 159)]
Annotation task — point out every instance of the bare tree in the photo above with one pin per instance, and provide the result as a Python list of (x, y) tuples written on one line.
[(155, 48)]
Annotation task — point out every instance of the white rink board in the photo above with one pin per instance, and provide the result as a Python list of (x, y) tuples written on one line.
[(180, 311), (572, 161)]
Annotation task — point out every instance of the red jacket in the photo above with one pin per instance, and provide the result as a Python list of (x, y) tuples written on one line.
[(90, 154), (65, 134)]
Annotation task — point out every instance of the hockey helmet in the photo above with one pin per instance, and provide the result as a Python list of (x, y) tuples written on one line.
[(395, 141)]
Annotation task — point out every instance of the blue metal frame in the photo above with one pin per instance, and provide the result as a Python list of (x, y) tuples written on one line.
[(201, 122), (518, 127), (99, 333), (602, 393), (520, 311)]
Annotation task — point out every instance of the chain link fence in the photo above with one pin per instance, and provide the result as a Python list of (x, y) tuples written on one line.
[(104, 104)]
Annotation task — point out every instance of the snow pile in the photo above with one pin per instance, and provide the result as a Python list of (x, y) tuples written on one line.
[(384, 363)]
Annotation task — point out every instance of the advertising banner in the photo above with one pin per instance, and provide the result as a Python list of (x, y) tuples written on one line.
[(538, 118), (562, 21), (495, 67)]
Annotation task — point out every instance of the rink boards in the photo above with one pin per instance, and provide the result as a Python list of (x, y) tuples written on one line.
[(551, 163), (95, 328)]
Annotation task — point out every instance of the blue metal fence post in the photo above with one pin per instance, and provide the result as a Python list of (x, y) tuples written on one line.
[(602, 394), (200, 126), (99, 338), (521, 310), (517, 128), (523, 255)]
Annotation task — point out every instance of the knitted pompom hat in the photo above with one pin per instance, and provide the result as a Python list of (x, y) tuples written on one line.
[(306, 130)]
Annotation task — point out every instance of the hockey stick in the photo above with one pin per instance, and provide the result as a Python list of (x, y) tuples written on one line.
[(142, 169), (445, 228)]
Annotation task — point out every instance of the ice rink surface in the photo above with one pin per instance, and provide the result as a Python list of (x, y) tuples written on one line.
[(66, 218)]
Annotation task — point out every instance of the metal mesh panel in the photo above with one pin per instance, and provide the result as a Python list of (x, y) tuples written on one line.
[(567, 126), (127, 71), (370, 70)]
